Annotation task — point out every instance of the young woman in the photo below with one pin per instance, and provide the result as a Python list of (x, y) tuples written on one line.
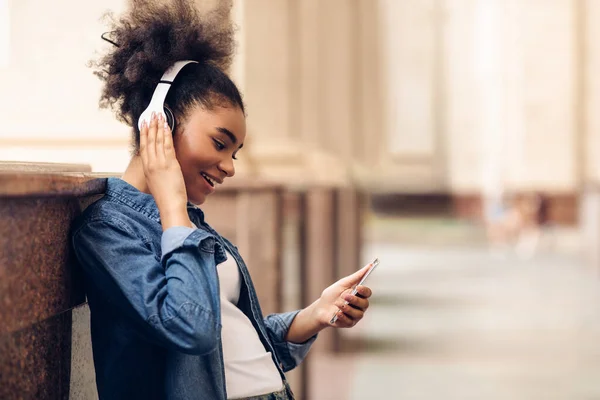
[(174, 314)]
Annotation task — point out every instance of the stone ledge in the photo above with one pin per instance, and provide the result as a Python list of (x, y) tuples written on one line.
[(24, 166), (49, 184)]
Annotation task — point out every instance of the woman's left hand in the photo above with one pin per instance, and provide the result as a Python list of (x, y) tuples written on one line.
[(318, 315), (333, 300)]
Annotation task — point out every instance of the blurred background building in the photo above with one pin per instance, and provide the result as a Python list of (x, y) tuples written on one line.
[(452, 115), (455, 97)]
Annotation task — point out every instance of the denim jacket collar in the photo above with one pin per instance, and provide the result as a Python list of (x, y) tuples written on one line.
[(123, 191)]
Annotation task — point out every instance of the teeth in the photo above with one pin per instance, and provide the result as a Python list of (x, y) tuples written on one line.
[(207, 178)]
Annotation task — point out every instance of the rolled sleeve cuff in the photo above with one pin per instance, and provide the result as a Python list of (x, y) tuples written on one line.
[(290, 354), (173, 238)]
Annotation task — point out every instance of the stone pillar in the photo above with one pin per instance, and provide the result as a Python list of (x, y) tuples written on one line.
[(38, 284), (338, 108), (293, 259), (250, 215), (489, 55), (534, 100), (319, 270), (350, 205), (296, 68), (401, 95), (263, 72)]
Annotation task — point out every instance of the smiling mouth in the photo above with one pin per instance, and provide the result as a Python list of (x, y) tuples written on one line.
[(209, 180)]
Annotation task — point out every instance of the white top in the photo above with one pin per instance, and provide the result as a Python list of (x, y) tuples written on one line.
[(249, 368)]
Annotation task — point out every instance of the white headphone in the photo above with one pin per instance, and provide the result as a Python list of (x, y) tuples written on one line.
[(157, 104)]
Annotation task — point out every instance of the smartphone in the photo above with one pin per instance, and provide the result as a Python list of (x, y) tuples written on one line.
[(373, 265)]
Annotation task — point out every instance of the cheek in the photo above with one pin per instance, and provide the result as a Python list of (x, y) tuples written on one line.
[(194, 156), (194, 189), (194, 160), (194, 183), (190, 176), (189, 172)]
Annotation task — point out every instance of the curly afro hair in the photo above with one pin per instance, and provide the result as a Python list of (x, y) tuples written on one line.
[(148, 40)]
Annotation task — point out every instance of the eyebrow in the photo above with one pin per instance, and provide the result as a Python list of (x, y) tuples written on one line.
[(230, 135)]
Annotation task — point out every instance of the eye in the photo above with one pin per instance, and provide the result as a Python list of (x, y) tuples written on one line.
[(219, 145)]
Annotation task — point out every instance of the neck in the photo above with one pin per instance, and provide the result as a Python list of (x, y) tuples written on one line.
[(134, 175)]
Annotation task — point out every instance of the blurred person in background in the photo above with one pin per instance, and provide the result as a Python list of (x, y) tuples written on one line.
[(516, 222), (533, 210), (502, 221)]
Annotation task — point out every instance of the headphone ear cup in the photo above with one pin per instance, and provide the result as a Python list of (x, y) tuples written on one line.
[(170, 118)]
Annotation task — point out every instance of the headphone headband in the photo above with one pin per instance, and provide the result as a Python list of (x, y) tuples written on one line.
[(157, 103)]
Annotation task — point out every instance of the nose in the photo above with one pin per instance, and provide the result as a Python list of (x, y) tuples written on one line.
[(227, 167)]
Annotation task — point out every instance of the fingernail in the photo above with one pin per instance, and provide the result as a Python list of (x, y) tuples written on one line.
[(347, 297), (144, 124), (166, 125), (153, 117)]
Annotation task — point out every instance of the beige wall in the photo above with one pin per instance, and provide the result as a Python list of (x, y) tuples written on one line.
[(49, 98), (508, 91), (465, 96)]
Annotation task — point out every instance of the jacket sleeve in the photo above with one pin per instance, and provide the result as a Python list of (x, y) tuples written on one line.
[(289, 354), (174, 299)]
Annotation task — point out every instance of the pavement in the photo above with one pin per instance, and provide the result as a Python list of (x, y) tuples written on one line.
[(452, 319)]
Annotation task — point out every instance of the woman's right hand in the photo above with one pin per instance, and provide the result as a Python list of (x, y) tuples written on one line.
[(163, 172)]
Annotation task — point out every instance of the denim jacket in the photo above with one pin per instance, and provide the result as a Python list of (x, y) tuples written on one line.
[(154, 301)]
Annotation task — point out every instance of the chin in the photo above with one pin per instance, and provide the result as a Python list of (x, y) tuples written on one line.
[(197, 200)]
